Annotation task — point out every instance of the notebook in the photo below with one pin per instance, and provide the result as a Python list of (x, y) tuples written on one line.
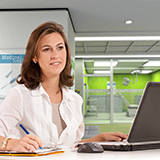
[(145, 130), (39, 152)]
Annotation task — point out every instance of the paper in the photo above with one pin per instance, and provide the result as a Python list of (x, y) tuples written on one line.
[(47, 150), (39, 152)]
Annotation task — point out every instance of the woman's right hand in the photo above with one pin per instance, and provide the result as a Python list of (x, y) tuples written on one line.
[(25, 144)]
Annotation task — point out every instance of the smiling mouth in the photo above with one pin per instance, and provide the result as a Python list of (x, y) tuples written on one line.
[(56, 63)]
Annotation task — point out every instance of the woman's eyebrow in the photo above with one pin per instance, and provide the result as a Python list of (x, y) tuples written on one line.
[(45, 46), (60, 44)]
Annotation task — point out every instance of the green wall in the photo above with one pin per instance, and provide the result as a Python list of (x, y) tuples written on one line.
[(98, 82), (155, 76), (135, 83), (138, 82), (101, 82)]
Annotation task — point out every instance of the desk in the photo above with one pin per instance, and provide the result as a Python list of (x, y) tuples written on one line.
[(106, 155)]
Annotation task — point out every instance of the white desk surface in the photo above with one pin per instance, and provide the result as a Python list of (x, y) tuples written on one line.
[(106, 155)]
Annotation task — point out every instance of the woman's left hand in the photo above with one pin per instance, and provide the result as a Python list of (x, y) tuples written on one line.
[(113, 136), (107, 136)]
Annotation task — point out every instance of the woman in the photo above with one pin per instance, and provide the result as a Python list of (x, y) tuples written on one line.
[(42, 103)]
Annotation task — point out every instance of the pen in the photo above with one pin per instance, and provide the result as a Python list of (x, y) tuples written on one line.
[(25, 130)]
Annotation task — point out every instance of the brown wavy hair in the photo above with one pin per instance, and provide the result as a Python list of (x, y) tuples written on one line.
[(30, 71)]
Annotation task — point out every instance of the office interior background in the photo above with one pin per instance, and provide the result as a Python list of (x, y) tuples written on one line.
[(123, 35)]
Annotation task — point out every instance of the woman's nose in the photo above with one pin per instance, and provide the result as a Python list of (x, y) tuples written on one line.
[(54, 55)]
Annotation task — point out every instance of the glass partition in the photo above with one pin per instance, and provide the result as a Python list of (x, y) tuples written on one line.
[(96, 100), (126, 102), (127, 82)]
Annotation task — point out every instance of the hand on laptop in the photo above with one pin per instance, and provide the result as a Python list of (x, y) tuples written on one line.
[(107, 136), (113, 136)]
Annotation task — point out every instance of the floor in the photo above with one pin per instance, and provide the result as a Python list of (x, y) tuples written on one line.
[(104, 118)]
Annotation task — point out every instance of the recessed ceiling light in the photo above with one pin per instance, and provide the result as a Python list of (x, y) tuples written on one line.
[(128, 21)]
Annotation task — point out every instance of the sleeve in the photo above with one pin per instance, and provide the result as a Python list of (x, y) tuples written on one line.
[(10, 111), (80, 130)]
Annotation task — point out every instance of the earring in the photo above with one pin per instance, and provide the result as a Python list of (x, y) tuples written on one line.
[(35, 62)]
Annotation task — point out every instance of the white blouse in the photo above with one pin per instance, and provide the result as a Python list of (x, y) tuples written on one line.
[(33, 109)]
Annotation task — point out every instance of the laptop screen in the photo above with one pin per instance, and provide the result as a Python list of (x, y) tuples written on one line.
[(146, 125)]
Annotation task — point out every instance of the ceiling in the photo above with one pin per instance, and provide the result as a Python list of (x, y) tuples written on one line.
[(124, 66), (106, 18)]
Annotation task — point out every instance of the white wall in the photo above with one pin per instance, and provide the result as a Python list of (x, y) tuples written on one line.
[(71, 41), (16, 26), (79, 81)]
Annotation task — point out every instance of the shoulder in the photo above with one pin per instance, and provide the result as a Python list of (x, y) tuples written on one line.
[(19, 89), (15, 95)]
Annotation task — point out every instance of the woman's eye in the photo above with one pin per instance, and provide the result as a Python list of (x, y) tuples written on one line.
[(60, 47), (46, 49)]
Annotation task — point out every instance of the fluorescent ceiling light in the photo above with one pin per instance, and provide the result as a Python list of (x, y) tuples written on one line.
[(122, 38), (141, 72), (133, 60), (152, 63), (135, 71), (118, 56), (104, 63), (146, 71), (100, 72)]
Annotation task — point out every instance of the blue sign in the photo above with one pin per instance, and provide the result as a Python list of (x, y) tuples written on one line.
[(11, 58)]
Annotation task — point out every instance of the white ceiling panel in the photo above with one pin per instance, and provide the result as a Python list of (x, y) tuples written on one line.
[(106, 18)]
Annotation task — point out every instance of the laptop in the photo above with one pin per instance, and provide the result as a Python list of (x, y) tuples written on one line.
[(145, 130)]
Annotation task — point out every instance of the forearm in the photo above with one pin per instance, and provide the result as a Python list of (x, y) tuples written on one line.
[(25, 144), (10, 144), (1, 140), (107, 136), (6, 143), (97, 138)]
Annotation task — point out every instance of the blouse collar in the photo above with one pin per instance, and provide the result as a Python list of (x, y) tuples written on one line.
[(40, 91)]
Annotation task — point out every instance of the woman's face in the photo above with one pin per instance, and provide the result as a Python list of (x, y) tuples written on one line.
[(51, 55)]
